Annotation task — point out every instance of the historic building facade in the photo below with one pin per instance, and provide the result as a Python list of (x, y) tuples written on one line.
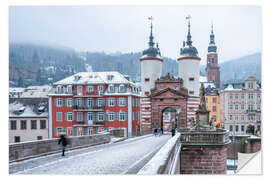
[(169, 103), (90, 102), (154, 105), (28, 119), (212, 69), (240, 107), (213, 104)]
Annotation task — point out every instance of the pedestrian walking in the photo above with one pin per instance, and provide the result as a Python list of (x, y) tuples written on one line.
[(63, 140), (155, 131), (173, 132), (159, 131)]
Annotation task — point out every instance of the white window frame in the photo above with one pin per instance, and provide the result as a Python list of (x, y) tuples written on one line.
[(80, 114), (100, 102), (100, 114), (122, 88), (69, 102), (111, 102), (90, 102), (59, 114), (122, 101), (122, 116), (69, 116), (90, 88), (59, 102), (111, 116), (100, 88), (59, 89), (79, 90), (90, 116)]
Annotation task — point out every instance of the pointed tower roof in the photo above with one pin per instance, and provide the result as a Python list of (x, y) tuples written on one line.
[(188, 50), (152, 51), (212, 48)]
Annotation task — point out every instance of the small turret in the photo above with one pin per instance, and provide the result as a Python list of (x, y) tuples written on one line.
[(188, 50)]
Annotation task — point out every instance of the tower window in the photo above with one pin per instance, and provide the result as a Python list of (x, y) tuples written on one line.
[(191, 79), (146, 93), (146, 79), (191, 92)]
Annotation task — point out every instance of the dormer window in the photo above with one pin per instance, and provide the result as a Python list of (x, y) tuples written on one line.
[(110, 77), (122, 88), (69, 89), (176, 87), (250, 85), (21, 109), (77, 78), (161, 87), (58, 89), (147, 79), (41, 109), (111, 88)]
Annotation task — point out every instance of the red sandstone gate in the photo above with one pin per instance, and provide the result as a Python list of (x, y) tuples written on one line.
[(168, 118)]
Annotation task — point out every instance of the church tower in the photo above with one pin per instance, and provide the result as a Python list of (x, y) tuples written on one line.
[(151, 64), (189, 65), (212, 69)]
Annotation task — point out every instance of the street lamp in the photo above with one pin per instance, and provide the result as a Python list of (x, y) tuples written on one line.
[(178, 120)]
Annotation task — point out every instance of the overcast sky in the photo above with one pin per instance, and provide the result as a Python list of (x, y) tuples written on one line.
[(238, 29)]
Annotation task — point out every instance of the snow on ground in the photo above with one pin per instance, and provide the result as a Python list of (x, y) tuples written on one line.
[(115, 158)]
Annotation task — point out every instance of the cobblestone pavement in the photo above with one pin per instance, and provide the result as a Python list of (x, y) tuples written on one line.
[(126, 157)]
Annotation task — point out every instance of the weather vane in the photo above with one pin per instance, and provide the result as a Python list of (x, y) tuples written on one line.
[(188, 17), (151, 19)]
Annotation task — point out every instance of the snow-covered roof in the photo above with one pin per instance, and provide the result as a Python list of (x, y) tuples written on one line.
[(17, 109), (231, 88), (16, 90), (36, 91), (111, 77)]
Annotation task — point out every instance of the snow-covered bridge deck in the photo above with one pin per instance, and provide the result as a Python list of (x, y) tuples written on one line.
[(126, 157)]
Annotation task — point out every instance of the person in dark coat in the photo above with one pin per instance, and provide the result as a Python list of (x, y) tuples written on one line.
[(155, 131), (161, 130), (173, 132), (63, 140)]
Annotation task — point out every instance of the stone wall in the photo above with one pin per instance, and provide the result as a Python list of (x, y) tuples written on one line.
[(26, 150), (253, 144), (203, 160)]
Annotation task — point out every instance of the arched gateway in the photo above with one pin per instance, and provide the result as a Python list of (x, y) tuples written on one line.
[(168, 118), (167, 99)]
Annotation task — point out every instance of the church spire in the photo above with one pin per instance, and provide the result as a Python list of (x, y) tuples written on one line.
[(212, 46)]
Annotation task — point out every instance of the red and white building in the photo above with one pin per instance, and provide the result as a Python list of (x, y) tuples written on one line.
[(90, 102), (188, 72)]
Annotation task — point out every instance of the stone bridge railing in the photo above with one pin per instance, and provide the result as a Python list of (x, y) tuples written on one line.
[(166, 159), (27, 150)]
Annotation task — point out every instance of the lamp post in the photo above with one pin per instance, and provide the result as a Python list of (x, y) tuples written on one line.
[(178, 120)]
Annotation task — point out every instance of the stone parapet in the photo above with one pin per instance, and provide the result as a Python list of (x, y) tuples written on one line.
[(27, 150), (219, 137)]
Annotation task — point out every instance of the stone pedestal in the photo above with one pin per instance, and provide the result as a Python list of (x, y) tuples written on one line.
[(204, 152)]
